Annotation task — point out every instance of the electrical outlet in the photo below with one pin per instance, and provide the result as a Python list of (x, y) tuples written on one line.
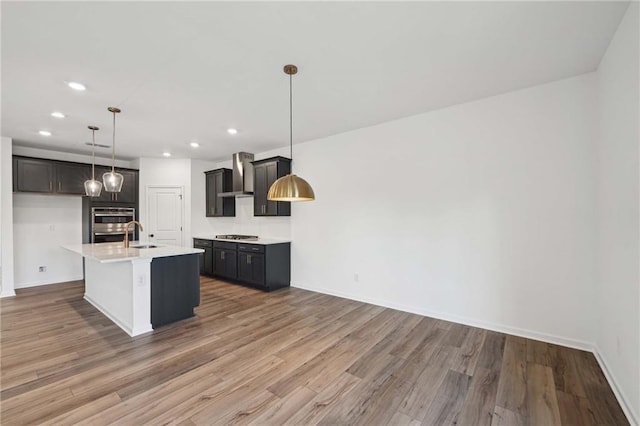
[(42, 269), (356, 277)]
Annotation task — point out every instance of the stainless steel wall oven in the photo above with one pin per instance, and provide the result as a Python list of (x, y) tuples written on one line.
[(108, 224)]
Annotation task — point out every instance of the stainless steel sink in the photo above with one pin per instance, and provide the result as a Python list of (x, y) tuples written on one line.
[(144, 246)]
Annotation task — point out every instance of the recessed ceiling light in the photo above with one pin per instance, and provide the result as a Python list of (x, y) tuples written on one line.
[(45, 133), (166, 154), (58, 114), (194, 144), (76, 86), (232, 131)]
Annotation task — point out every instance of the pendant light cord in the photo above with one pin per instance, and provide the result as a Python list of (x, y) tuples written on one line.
[(113, 145), (93, 156), (291, 117)]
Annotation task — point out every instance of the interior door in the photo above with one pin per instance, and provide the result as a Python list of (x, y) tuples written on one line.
[(165, 219)]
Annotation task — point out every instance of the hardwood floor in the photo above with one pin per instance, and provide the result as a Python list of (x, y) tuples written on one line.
[(289, 357)]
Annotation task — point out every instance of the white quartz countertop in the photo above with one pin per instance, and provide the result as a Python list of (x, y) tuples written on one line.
[(264, 241), (115, 252)]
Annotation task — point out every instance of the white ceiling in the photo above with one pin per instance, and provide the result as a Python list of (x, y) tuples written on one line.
[(188, 71)]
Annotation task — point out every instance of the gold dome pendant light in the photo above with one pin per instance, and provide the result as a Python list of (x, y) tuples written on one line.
[(93, 187), (291, 187), (112, 180)]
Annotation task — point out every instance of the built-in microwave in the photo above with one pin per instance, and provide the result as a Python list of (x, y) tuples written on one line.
[(108, 224)]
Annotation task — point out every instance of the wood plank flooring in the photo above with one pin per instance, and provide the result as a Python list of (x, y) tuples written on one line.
[(288, 357)]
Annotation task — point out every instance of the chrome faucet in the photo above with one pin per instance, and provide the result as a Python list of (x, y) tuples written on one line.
[(126, 231)]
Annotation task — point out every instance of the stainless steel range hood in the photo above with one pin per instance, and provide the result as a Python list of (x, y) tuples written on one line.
[(242, 176)]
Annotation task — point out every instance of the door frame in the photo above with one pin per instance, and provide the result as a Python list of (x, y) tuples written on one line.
[(148, 209)]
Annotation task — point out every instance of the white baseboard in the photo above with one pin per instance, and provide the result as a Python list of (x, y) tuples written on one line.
[(502, 328), (127, 329), (626, 405), (48, 282), (9, 293)]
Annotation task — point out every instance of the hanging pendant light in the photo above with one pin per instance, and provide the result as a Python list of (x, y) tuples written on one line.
[(93, 187), (112, 180), (291, 187)]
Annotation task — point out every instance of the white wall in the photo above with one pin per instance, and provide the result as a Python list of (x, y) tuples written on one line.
[(618, 296), (42, 224), (482, 213), (166, 172), (244, 222), (6, 219)]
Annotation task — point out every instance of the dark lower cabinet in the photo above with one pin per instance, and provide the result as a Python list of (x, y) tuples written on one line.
[(175, 288), (225, 260), (206, 258), (264, 266), (251, 268)]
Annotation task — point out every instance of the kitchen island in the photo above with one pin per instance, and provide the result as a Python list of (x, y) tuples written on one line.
[(143, 286)]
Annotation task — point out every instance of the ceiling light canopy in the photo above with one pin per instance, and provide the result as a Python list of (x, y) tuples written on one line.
[(58, 114), (291, 187), (77, 86), (93, 187), (232, 131), (194, 144), (44, 133), (166, 154), (112, 180)]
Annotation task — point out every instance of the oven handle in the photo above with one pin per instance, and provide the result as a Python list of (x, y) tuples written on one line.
[(111, 233), (112, 214)]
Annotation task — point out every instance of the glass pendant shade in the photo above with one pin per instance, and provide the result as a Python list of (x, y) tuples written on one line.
[(112, 181), (93, 187), (291, 188)]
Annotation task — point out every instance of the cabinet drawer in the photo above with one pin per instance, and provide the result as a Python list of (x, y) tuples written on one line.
[(253, 248), (225, 245), (202, 243)]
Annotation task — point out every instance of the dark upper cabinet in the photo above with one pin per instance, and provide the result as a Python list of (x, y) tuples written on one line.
[(33, 175), (218, 181), (61, 177), (128, 193), (70, 178), (265, 173)]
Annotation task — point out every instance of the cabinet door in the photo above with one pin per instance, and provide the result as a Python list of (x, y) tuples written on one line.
[(231, 264), (210, 195), (272, 176), (208, 261), (70, 178), (34, 175), (244, 268), (260, 189), (251, 268), (218, 188), (129, 192), (225, 263)]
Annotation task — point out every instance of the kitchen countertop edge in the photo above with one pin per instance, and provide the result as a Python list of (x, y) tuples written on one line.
[(115, 252), (261, 241)]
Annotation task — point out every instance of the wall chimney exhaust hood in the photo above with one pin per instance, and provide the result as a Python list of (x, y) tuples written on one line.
[(242, 176)]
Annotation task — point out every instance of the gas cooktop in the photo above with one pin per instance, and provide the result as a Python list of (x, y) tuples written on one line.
[(237, 237)]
